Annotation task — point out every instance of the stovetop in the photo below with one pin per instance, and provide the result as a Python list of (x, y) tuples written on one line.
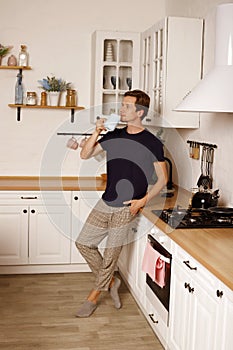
[(194, 218)]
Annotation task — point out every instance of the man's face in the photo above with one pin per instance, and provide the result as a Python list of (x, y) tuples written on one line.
[(128, 111)]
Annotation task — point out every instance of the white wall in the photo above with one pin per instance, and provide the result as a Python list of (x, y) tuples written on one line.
[(214, 128), (58, 36)]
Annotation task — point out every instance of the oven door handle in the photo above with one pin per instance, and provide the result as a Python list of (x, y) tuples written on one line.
[(152, 318), (166, 260), (162, 257), (187, 263)]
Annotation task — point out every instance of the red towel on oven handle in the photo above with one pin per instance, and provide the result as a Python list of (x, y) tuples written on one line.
[(160, 271), (153, 265)]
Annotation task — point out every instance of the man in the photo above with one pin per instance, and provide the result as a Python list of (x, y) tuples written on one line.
[(133, 155)]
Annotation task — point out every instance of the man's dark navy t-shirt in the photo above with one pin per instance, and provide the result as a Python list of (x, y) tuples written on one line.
[(130, 167)]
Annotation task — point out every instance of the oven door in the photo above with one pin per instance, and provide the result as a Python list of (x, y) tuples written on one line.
[(161, 295)]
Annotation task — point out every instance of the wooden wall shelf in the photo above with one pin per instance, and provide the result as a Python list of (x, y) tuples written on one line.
[(16, 67), (72, 109)]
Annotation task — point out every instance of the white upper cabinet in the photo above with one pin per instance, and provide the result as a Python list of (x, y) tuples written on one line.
[(115, 69), (171, 60)]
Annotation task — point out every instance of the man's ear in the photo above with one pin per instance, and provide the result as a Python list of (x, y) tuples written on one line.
[(140, 113)]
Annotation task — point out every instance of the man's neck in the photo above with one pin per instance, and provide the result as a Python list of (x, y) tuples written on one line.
[(134, 129)]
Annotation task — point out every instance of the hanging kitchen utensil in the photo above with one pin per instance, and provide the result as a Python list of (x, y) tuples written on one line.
[(196, 150), (209, 164), (203, 180)]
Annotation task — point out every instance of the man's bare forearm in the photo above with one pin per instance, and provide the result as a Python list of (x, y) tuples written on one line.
[(89, 146)]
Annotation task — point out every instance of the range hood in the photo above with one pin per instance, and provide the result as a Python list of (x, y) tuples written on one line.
[(214, 93)]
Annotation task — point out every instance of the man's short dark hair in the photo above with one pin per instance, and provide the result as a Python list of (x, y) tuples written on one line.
[(142, 100)]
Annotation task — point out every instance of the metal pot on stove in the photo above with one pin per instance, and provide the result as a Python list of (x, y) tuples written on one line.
[(205, 198)]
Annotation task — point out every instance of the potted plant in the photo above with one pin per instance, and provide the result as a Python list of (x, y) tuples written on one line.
[(54, 87), (4, 50)]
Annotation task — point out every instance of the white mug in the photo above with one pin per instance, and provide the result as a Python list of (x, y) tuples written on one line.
[(112, 121)]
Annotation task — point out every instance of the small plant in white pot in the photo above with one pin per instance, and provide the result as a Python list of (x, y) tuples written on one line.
[(54, 87)]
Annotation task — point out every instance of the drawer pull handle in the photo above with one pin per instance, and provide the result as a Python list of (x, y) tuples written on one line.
[(219, 293), (28, 197), (75, 198), (152, 318), (187, 286), (189, 266)]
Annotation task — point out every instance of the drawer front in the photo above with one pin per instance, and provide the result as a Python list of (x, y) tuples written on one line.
[(35, 197), (197, 271)]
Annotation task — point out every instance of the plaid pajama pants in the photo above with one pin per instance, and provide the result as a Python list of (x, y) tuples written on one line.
[(108, 225)]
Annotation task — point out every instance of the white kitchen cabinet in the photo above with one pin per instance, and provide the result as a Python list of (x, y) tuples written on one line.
[(13, 235), (115, 69), (155, 317), (82, 204), (225, 323), (36, 228), (171, 52), (49, 234), (195, 308)]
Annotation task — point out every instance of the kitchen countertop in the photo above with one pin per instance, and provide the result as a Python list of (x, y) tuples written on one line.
[(211, 247)]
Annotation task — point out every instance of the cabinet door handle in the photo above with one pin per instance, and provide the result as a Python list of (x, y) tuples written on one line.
[(75, 198), (191, 290), (187, 263), (219, 293), (186, 285), (33, 211), (25, 211), (28, 197), (152, 318)]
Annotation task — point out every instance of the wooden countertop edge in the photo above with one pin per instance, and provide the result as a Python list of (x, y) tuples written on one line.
[(37, 178), (52, 183)]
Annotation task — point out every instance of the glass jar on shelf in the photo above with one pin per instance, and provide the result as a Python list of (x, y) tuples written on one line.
[(23, 56), (71, 98), (31, 99)]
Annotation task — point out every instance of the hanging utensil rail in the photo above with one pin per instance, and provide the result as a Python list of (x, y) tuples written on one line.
[(203, 144)]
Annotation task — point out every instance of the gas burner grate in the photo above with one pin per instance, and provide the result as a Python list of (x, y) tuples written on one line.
[(193, 218)]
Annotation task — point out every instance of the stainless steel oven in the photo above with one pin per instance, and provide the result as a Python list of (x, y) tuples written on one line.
[(160, 296)]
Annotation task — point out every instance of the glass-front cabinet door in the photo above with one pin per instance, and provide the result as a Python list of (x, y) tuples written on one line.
[(116, 62), (170, 68)]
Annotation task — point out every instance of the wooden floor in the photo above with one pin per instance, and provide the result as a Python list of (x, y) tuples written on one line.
[(38, 312)]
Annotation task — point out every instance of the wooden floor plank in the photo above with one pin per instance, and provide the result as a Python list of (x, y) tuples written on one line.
[(38, 312)]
